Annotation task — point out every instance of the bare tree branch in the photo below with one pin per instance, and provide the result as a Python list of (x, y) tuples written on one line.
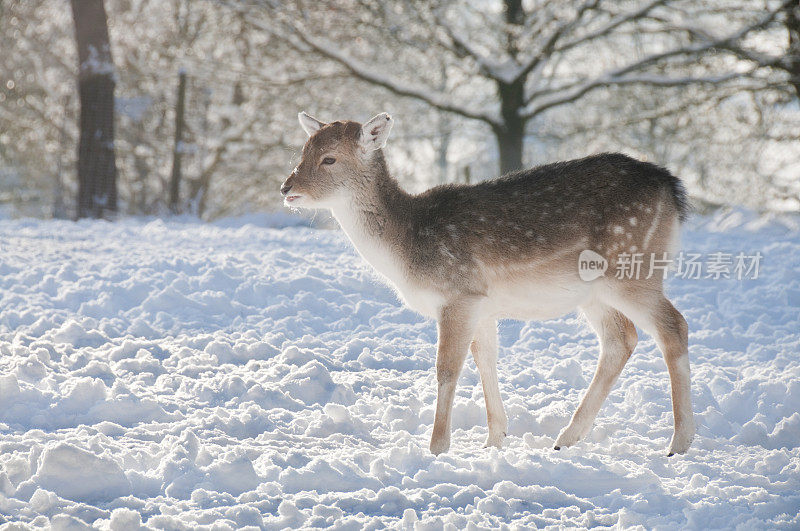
[(612, 24), (619, 76), (549, 46), (462, 47), (363, 72), (733, 43)]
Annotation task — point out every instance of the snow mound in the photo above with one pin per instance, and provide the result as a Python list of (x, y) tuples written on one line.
[(80, 475)]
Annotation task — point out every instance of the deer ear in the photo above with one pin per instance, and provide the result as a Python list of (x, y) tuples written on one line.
[(375, 132), (310, 124)]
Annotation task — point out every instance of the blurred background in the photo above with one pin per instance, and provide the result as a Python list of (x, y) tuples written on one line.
[(158, 107)]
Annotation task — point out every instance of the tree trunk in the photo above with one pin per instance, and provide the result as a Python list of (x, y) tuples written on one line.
[(97, 170), (444, 144), (793, 28), (59, 202), (511, 133), (175, 180)]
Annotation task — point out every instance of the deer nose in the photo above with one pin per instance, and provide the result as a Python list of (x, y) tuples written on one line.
[(285, 188)]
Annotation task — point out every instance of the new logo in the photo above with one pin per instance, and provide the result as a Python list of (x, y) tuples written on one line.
[(591, 265)]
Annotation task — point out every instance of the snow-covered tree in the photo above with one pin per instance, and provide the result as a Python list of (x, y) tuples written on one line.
[(504, 63), (37, 83), (236, 119)]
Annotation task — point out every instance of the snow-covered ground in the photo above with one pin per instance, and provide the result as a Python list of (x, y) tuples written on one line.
[(180, 375)]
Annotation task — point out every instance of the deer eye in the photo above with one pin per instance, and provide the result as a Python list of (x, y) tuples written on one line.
[(328, 160)]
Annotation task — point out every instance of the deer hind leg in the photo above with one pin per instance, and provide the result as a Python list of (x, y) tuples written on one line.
[(617, 341), (484, 350), (656, 315), (673, 340), (456, 329)]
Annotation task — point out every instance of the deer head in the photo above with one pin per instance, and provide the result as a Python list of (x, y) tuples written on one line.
[(337, 160)]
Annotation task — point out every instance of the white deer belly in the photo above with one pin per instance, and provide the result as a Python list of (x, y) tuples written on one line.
[(532, 299)]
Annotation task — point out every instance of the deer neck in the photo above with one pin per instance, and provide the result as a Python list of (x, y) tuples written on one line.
[(372, 216)]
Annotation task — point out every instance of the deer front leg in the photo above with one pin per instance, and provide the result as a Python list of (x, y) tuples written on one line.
[(456, 328), (484, 350)]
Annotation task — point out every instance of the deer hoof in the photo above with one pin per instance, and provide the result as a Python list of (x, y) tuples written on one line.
[(495, 439), (439, 446)]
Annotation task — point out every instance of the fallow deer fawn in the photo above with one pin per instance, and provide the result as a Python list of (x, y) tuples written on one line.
[(468, 255)]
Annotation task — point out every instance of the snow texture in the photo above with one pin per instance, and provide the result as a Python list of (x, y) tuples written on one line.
[(184, 375)]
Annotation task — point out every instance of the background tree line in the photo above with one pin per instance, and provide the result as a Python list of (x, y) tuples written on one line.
[(710, 89)]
